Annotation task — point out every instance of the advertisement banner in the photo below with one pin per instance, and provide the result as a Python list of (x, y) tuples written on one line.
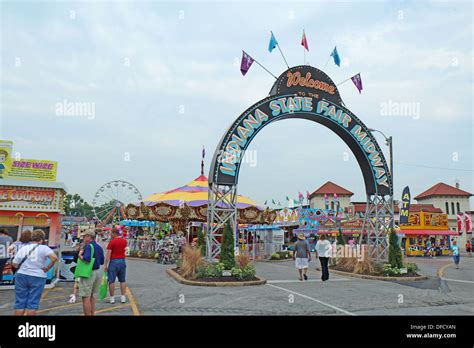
[(404, 210), (24, 169), (5, 157)]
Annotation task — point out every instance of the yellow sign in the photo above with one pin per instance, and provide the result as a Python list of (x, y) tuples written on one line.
[(30, 169), (422, 220), (5, 157), (24, 169)]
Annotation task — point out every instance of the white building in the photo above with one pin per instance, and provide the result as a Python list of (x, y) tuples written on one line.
[(451, 200), (316, 199)]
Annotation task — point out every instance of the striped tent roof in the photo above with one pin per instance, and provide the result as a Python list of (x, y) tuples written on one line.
[(194, 194)]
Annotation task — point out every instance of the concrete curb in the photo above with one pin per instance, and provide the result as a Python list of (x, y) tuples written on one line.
[(383, 278), (140, 259), (283, 260), (184, 281), (441, 270)]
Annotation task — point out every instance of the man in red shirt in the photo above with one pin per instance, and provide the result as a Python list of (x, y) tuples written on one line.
[(115, 265)]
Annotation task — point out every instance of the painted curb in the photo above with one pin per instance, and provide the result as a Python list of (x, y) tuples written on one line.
[(182, 280), (441, 270), (284, 260), (370, 277), (140, 259)]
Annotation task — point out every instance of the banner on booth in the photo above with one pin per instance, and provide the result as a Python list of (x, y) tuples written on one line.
[(24, 169)]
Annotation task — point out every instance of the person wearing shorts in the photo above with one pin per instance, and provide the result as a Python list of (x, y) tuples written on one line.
[(88, 287), (30, 279), (302, 256), (115, 265)]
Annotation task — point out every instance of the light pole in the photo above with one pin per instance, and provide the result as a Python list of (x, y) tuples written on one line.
[(389, 143)]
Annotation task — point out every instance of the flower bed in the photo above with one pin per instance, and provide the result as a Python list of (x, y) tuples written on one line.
[(367, 266)]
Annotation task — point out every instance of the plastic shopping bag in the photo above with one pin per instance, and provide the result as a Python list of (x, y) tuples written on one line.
[(103, 287)]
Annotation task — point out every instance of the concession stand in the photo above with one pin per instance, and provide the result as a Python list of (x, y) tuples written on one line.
[(424, 227), (30, 198)]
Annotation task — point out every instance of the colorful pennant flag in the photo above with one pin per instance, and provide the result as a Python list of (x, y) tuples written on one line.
[(246, 63), (357, 82), (304, 42), (460, 218), (287, 198), (273, 201), (467, 222), (335, 55), (265, 203), (273, 42)]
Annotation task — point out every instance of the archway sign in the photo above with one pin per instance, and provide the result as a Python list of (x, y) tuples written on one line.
[(301, 92)]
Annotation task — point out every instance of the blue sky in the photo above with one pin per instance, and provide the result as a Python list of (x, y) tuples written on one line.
[(144, 63)]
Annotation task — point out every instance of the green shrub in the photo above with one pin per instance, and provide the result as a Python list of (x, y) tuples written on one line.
[(389, 270), (202, 241), (201, 272), (211, 271), (219, 268), (411, 267), (284, 254), (394, 252), (275, 256), (248, 272), (227, 247), (237, 273)]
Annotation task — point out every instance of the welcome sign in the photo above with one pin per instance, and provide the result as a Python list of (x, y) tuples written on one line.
[(305, 104)]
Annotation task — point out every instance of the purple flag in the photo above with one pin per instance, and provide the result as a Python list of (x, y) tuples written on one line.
[(246, 63), (357, 82)]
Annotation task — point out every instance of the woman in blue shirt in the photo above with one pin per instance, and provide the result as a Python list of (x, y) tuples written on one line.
[(456, 255)]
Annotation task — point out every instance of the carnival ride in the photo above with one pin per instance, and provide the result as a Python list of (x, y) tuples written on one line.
[(111, 199)]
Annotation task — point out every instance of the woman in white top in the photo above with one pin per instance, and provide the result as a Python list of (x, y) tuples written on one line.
[(323, 251), (30, 279)]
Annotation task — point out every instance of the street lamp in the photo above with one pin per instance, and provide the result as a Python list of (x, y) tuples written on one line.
[(389, 143)]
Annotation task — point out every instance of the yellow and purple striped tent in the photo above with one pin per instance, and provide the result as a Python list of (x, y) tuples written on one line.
[(194, 194)]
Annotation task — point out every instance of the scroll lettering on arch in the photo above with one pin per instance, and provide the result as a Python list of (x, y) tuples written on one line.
[(304, 93)]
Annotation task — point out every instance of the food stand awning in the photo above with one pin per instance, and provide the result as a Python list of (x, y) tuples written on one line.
[(429, 232)]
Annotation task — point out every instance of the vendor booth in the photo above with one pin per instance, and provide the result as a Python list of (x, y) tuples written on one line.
[(426, 234), (30, 198)]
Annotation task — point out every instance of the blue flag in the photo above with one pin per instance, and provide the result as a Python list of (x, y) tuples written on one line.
[(335, 55), (273, 43)]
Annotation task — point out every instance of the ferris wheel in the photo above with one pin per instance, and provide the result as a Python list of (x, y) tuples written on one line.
[(111, 199)]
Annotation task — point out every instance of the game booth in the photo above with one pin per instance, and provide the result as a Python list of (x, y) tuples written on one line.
[(426, 234), (30, 199)]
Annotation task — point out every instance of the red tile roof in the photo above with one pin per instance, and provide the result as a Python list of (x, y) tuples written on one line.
[(360, 207), (428, 208), (331, 188), (442, 189)]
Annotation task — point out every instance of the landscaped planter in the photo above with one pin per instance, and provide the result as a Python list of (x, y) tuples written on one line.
[(220, 281), (404, 277)]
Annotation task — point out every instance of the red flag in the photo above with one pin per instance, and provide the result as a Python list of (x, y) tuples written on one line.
[(304, 42), (467, 221), (460, 223)]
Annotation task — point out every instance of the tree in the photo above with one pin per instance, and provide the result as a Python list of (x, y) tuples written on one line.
[(227, 247), (75, 205), (394, 252), (202, 241), (340, 238)]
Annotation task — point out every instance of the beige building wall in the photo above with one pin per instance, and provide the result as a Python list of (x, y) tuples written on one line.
[(440, 202), (317, 202)]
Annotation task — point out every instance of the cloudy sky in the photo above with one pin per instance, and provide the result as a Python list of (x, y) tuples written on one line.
[(164, 80)]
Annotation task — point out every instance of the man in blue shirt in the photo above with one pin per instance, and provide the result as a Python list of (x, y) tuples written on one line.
[(90, 286)]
